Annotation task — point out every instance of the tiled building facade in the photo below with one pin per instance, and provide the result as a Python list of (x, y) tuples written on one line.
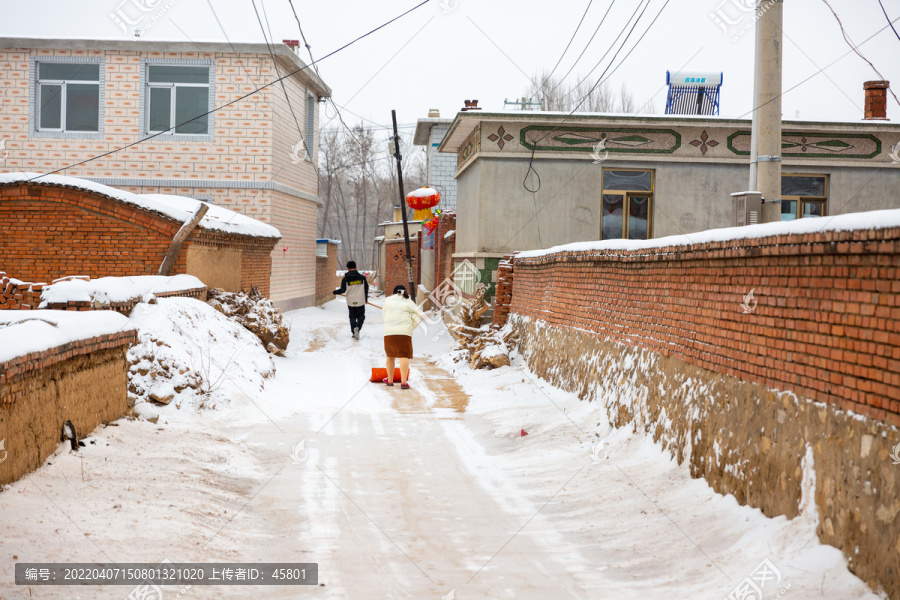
[(440, 167), (66, 101)]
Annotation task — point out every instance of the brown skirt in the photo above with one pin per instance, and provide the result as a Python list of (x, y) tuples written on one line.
[(398, 346)]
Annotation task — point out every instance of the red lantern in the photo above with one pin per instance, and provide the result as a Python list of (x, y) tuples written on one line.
[(422, 200)]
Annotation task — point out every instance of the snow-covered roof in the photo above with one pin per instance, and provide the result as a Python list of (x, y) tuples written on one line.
[(106, 290), (45, 329), (875, 219), (177, 208)]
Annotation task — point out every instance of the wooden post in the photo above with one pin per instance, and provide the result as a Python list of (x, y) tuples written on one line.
[(178, 241)]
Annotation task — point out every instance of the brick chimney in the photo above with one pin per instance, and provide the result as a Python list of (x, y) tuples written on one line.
[(471, 105), (876, 100)]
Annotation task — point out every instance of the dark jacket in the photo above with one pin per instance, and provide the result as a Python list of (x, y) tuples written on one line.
[(357, 287)]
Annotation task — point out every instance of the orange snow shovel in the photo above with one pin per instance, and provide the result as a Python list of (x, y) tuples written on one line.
[(379, 375)]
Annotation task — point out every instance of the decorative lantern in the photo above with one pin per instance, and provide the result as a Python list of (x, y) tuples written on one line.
[(422, 200)]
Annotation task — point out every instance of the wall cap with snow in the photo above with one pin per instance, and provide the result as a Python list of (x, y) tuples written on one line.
[(174, 208), (858, 226)]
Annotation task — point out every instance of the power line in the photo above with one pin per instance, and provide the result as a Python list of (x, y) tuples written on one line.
[(339, 129), (586, 46), (839, 58), (236, 100), (227, 39), (602, 58), (855, 49), (571, 39), (600, 80), (287, 96), (888, 19), (408, 42), (603, 77)]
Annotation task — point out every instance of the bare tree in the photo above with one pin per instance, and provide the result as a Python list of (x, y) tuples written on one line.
[(358, 186), (587, 96)]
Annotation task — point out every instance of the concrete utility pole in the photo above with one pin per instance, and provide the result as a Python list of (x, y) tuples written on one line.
[(768, 104)]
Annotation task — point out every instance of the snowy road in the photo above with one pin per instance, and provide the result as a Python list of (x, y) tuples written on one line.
[(426, 493)]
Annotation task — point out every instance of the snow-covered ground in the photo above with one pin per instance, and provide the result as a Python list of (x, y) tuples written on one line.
[(425, 493)]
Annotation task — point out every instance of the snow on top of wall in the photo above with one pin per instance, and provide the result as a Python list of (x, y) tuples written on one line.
[(216, 218), (116, 289), (23, 332), (875, 219), (179, 208)]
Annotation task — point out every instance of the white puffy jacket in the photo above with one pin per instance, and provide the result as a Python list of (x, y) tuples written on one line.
[(401, 315)]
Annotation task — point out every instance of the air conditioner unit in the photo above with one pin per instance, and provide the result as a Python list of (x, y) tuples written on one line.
[(746, 208)]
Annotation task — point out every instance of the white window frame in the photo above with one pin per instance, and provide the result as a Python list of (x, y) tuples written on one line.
[(36, 130), (146, 63)]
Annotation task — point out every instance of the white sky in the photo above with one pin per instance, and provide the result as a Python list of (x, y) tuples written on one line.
[(447, 59)]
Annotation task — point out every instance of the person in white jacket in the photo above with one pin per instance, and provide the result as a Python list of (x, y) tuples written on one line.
[(401, 317)]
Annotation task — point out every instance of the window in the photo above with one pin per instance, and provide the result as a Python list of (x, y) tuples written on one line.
[(177, 99), (310, 133), (803, 196), (627, 204), (67, 97)]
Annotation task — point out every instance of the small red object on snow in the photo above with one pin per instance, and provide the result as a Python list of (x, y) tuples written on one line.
[(523, 433)]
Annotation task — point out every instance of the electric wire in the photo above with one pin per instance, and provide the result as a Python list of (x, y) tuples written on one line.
[(820, 70), (856, 49), (586, 46), (571, 39), (888, 19), (287, 96)]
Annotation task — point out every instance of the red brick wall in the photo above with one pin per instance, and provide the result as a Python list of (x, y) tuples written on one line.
[(444, 248), (503, 297), (826, 326), (395, 264), (51, 232)]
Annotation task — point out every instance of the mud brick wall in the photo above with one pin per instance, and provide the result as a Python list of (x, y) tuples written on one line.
[(823, 321), (83, 382), (395, 264), (52, 231)]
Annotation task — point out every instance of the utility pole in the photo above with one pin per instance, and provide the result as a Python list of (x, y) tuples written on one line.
[(767, 116), (409, 270)]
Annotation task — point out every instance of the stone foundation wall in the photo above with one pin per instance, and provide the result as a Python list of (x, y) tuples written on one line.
[(743, 438)]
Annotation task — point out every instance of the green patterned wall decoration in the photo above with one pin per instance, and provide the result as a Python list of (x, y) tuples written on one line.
[(470, 146), (801, 144), (583, 139), (487, 277)]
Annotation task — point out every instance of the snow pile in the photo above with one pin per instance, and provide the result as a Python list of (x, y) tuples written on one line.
[(875, 219), (255, 313), (23, 332), (191, 356), (107, 290), (179, 208)]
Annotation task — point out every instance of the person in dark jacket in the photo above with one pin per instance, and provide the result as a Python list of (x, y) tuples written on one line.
[(356, 287)]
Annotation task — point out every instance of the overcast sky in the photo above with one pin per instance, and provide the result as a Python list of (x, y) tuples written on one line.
[(440, 55)]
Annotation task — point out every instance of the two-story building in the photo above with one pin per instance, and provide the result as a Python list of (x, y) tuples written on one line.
[(176, 118)]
